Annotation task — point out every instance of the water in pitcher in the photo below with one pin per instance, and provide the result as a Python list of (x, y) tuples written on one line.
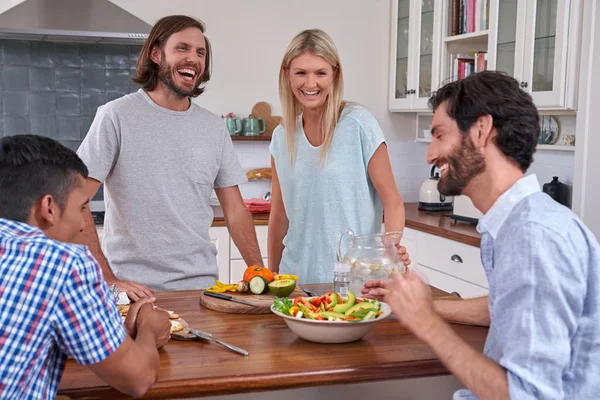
[(365, 270), (372, 256)]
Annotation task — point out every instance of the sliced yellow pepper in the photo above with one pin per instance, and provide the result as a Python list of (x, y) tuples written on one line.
[(221, 287)]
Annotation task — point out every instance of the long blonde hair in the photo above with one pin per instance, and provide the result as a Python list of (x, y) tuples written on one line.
[(319, 44)]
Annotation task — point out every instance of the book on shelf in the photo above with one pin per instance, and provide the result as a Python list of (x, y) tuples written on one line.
[(469, 16), (464, 65)]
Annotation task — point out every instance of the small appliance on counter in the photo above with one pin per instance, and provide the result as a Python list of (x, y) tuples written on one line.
[(430, 199), (465, 211), (557, 190)]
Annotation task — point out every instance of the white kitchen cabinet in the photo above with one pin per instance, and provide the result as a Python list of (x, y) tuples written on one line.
[(219, 236), (414, 53), (450, 257), (449, 283), (446, 264), (535, 41)]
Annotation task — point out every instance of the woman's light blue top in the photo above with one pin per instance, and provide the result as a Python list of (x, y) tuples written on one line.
[(323, 201)]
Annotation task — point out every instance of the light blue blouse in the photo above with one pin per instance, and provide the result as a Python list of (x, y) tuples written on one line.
[(323, 201)]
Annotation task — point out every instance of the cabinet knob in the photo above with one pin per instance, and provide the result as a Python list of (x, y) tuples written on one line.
[(524, 84), (405, 91), (413, 91), (456, 258)]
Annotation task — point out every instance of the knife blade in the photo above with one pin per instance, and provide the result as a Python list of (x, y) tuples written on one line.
[(228, 298), (231, 347)]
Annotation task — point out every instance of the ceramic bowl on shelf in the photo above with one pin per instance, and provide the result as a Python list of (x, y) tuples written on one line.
[(331, 331)]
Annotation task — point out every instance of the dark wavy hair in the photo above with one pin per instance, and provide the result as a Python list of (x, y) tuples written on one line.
[(496, 94), (31, 167), (146, 70)]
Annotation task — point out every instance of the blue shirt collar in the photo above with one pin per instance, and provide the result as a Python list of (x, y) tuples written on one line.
[(492, 220)]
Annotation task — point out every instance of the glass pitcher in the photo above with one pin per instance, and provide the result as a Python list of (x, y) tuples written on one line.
[(373, 256)]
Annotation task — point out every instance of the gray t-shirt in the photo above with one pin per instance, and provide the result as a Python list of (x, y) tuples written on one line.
[(159, 168)]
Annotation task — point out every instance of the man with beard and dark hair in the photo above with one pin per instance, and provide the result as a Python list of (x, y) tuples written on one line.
[(160, 156), (541, 262)]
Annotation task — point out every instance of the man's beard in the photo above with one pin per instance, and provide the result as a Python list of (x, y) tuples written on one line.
[(464, 164), (165, 74)]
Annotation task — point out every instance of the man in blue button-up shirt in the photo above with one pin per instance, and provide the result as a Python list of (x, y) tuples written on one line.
[(542, 263)]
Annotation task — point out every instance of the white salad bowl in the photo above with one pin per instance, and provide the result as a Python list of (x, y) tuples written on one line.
[(331, 331)]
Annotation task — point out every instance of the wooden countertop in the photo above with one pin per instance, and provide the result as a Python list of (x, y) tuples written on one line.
[(437, 223), (278, 358), (259, 219)]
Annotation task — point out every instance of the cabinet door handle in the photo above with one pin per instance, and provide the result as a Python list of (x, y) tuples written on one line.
[(524, 85), (456, 258), (413, 91)]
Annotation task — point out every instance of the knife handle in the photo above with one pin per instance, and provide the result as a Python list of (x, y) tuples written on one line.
[(217, 295)]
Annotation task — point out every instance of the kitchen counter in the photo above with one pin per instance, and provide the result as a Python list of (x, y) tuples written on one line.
[(259, 219), (278, 358), (437, 223)]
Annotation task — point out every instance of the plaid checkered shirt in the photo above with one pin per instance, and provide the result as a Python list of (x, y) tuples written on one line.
[(54, 303)]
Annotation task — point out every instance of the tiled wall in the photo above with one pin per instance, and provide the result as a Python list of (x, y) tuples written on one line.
[(54, 89)]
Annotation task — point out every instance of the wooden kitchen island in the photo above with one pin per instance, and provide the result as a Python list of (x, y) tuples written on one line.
[(278, 358)]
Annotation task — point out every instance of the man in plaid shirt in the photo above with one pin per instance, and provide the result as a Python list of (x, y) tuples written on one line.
[(54, 301)]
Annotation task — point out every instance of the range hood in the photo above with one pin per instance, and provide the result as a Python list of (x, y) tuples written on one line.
[(88, 21)]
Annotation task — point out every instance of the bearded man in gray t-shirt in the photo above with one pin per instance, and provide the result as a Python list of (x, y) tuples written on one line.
[(160, 156)]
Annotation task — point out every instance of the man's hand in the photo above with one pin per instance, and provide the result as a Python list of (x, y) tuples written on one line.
[(135, 291), (376, 289), (130, 321), (411, 301), (156, 320)]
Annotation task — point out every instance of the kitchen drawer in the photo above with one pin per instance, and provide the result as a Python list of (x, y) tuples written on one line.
[(237, 270), (449, 283), (452, 258), (261, 235)]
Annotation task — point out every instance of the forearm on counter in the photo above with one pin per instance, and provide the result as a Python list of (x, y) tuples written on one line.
[(470, 311)]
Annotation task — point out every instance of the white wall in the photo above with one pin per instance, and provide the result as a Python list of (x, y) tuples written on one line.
[(249, 39), (587, 162), (6, 5)]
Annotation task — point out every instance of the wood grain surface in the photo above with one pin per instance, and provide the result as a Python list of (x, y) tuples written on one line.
[(438, 223), (263, 110), (263, 302), (278, 358)]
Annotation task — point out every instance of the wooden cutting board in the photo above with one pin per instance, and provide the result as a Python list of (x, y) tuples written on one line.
[(263, 302), (263, 110)]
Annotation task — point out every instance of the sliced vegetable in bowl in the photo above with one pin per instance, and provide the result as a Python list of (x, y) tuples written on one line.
[(330, 307), (315, 318)]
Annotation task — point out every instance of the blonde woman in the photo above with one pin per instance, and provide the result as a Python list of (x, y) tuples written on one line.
[(331, 169)]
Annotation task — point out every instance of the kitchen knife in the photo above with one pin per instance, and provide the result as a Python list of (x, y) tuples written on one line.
[(231, 347), (228, 298)]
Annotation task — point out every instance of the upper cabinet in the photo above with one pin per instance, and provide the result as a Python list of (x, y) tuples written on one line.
[(414, 53), (535, 41)]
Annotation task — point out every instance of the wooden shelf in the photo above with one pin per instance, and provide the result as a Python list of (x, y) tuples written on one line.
[(467, 42), (260, 138), (555, 147)]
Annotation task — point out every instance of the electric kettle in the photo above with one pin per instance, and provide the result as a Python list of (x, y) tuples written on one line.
[(430, 199)]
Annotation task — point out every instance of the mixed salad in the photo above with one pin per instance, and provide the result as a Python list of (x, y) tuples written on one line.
[(329, 307)]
